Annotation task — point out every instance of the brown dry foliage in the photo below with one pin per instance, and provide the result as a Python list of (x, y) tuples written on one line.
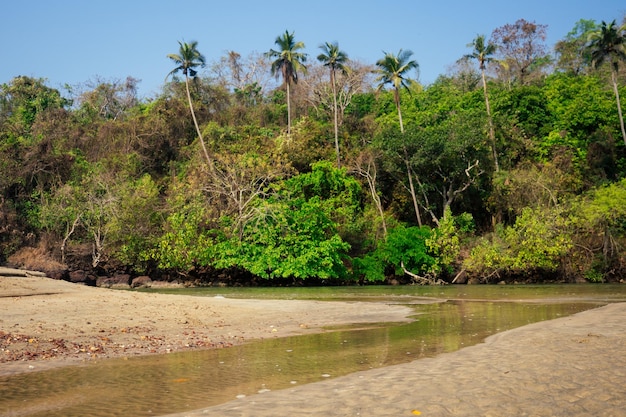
[(35, 259)]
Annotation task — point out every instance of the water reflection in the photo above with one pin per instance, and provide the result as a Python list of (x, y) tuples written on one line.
[(157, 385)]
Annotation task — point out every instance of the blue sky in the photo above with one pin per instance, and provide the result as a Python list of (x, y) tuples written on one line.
[(76, 41)]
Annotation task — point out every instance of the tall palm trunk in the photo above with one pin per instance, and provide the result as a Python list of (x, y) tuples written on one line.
[(492, 135), (288, 110), (195, 122), (396, 96), (332, 80), (619, 105)]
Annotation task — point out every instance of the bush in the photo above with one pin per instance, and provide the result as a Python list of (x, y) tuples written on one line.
[(536, 242), (405, 247)]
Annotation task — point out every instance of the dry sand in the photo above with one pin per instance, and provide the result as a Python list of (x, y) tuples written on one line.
[(46, 323), (573, 366)]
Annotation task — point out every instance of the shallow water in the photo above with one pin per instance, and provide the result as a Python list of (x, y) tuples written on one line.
[(157, 385)]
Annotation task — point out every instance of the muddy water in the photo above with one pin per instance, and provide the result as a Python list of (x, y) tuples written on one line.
[(157, 385)]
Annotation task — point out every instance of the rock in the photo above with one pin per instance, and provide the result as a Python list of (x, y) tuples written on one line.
[(81, 277), (59, 274), (116, 281), (141, 281), (122, 279), (77, 276)]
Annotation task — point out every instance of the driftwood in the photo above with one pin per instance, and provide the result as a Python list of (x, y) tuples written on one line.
[(422, 280), (13, 272)]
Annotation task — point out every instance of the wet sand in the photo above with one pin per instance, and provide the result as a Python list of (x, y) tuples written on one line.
[(572, 366)]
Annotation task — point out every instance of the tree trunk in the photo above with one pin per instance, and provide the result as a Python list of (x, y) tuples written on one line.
[(195, 122), (492, 135), (619, 105), (288, 110), (412, 190), (371, 182), (396, 95), (332, 80)]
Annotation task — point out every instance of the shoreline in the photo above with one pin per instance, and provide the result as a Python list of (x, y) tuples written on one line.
[(573, 365), (570, 366), (46, 323)]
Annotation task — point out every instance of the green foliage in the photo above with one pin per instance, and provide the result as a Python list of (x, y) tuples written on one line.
[(604, 207), (124, 176), (445, 242), (340, 193), (294, 233), (138, 206), (599, 220), (405, 247), (581, 107), (293, 240), (535, 243), (186, 242), (526, 107), (23, 99)]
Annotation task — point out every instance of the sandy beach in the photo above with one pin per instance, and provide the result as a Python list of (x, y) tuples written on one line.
[(46, 323), (572, 366)]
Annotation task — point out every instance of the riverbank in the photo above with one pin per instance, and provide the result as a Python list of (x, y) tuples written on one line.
[(570, 366), (47, 323)]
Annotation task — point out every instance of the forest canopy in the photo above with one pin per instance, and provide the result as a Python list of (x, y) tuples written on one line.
[(510, 167)]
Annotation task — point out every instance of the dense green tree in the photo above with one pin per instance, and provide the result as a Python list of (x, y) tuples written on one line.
[(288, 60), (294, 233), (187, 60), (448, 158), (403, 253), (535, 244), (599, 218), (609, 45), (22, 100), (581, 112), (335, 59)]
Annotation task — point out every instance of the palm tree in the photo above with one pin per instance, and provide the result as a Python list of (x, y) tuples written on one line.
[(393, 69), (288, 61), (482, 53), (608, 45), (187, 59), (335, 59)]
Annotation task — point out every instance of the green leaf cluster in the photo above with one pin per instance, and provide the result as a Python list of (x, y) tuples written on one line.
[(405, 247), (536, 243)]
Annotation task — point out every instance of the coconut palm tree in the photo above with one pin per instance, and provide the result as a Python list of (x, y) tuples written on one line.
[(608, 45), (288, 61), (394, 69), (335, 59), (187, 59), (483, 54)]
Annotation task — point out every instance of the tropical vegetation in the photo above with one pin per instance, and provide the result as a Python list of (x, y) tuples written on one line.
[(510, 167)]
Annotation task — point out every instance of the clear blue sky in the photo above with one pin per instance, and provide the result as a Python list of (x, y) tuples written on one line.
[(75, 41)]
